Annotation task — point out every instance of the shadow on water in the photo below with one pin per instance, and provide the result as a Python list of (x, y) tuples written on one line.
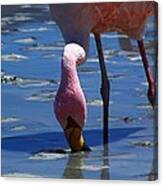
[(35, 142)]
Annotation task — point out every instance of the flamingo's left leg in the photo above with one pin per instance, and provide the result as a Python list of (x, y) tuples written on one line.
[(105, 88), (149, 75)]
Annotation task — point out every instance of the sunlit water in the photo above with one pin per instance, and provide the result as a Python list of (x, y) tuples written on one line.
[(31, 51)]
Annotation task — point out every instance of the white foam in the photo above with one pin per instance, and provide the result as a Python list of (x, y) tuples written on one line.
[(94, 167), (48, 96), (9, 119), (144, 107), (13, 57), (18, 128), (40, 29), (16, 174), (47, 156), (44, 47), (93, 60), (32, 83), (135, 58), (24, 40), (95, 102)]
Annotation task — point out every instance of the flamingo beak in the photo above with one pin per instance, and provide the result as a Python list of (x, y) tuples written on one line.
[(75, 138)]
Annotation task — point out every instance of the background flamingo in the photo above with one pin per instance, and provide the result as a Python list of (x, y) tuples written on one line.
[(76, 22)]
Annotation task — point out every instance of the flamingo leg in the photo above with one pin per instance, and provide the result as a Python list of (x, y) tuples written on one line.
[(149, 76), (105, 88)]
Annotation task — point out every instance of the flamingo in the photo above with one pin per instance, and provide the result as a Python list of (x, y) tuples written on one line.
[(76, 22)]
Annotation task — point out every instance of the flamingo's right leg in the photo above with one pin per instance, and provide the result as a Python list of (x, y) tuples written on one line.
[(105, 88), (149, 75)]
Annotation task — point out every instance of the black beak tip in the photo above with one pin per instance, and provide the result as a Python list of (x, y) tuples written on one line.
[(86, 148)]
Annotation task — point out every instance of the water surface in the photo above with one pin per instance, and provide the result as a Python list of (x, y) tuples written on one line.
[(32, 45)]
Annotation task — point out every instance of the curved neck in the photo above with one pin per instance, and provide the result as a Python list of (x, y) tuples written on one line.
[(69, 74)]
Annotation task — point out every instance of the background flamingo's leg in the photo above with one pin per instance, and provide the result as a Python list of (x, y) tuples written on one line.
[(105, 88), (149, 75)]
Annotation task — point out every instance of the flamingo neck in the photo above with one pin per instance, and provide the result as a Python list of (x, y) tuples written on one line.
[(69, 73)]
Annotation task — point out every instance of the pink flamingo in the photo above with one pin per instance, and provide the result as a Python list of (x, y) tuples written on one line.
[(76, 22), (70, 103)]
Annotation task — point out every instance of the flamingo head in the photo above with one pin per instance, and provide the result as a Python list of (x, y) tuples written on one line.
[(73, 54)]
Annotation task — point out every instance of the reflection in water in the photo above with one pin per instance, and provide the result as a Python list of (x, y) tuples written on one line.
[(73, 168), (105, 171)]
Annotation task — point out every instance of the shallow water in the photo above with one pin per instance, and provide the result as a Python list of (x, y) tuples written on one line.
[(31, 50)]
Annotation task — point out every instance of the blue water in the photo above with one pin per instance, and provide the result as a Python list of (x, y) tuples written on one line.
[(31, 51)]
